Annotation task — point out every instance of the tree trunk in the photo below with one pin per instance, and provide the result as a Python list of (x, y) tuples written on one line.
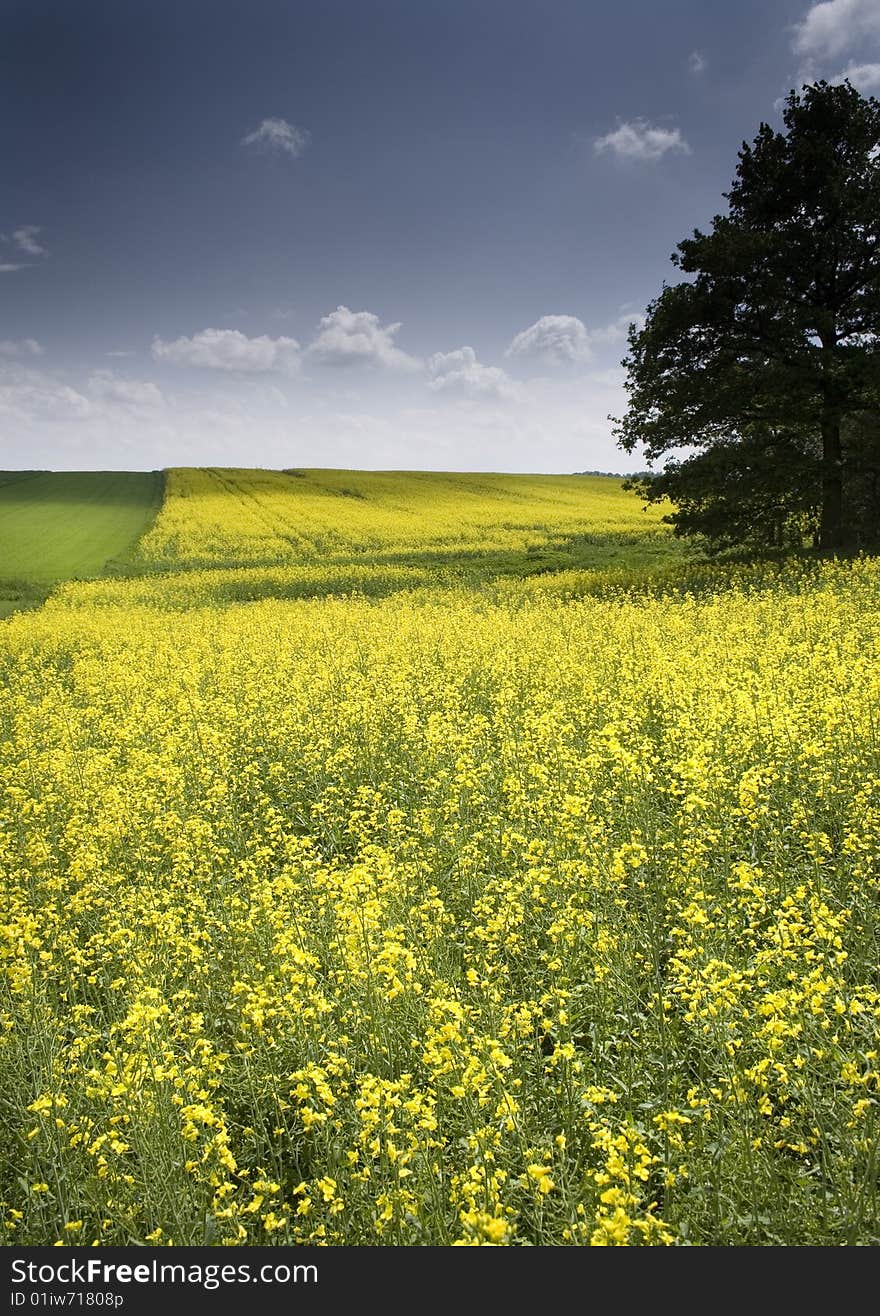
[(831, 526)]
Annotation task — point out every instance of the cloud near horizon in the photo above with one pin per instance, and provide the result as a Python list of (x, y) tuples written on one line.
[(460, 372), (67, 421), (29, 397), (231, 350), (107, 386)]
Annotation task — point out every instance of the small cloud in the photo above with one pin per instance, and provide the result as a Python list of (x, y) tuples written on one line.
[(460, 371), (231, 350), (9, 267), (25, 238), (864, 77), (564, 340), (109, 387), (277, 136), (20, 347), (697, 62), (348, 338), (556, 339), (834, 26), (128, 353), (639, 140), (28, 396), (618, 329)]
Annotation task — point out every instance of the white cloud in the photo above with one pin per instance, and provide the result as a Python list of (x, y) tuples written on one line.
[(25, 238), (834, 26), (639, 140), (8, 267), (556, 339), (864, 77), (20, 347), (460, 372), (278, 136), (230, 349), (348, 338), (563, 340), (109, 387), (618, 329), (28, 396), (697, 62)]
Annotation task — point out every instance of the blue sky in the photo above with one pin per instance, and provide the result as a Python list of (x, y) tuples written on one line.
[(366, 233)]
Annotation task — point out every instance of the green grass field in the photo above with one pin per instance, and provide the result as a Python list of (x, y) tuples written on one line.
[(55, 525)]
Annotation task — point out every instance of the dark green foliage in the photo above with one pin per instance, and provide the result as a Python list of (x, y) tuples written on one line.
[(759, 489), (764, 364)]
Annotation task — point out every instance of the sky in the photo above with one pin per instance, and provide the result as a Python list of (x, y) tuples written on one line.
[(378, 234)]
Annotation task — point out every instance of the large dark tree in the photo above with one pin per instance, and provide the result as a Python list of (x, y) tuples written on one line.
[(764, 367)]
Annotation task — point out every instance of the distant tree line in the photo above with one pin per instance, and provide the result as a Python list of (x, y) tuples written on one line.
[(757, 378), (616, 475)]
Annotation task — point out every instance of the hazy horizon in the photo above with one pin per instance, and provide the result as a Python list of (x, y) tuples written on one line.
[(367, 470)]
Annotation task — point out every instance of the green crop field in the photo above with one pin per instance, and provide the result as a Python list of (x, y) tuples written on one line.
[(55, 525)]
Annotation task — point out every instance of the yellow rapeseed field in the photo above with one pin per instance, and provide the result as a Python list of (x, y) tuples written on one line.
[(430, 912), (215, 517)]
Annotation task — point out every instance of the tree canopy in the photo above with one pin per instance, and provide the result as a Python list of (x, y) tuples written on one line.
[(762, 368)]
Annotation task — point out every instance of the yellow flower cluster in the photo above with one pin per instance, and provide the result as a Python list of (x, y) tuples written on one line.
[(450, 917)]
